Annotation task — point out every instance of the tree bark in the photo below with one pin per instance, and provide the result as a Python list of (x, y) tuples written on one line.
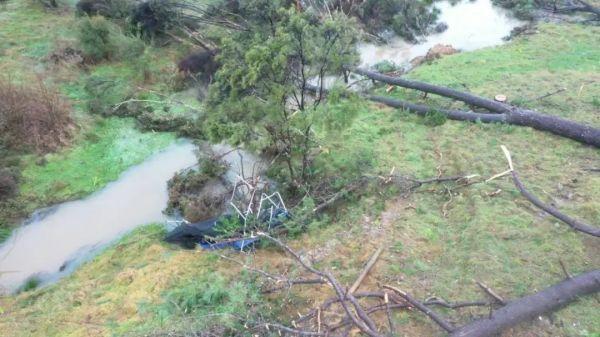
[(468, 98), (529, 307), (503, 113)]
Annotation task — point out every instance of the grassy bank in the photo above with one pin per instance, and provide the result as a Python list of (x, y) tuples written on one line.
[(438, 239), (32, 39)]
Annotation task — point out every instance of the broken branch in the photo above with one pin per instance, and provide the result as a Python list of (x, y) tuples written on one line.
[(432, 314), (574, 223)]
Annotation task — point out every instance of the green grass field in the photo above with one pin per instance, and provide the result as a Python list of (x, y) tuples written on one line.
[(438, 239)]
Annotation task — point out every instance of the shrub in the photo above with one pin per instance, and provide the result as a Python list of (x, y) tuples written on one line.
[(154, 17), (115, 9), (407, 18), (386, 66), (8, 184), (105, 92), (31, 284), (198, 195), (435, 118), (101, 39), (523, 9), (33, 117), (49, 3)]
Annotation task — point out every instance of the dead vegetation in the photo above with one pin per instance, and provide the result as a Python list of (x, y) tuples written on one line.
[(369, 312), (8, 184), (199, 194), (33, 117)]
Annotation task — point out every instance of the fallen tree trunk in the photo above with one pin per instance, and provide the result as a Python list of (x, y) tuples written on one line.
[(571, 7), (503, 113), (529, 307), (468, 98)]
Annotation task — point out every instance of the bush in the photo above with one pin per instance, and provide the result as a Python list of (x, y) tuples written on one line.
[(101, 39), (154, 17), (105, 92), (114, 9), (435, 118), (8, 184), (33, 117), (408, 18), (523, 9), (49, 3), (386, 66)]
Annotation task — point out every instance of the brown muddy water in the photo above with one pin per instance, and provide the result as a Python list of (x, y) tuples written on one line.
[(471, 25), (54, 241)]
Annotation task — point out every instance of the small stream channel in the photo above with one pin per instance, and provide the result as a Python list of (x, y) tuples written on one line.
[(54, 241), (471, 25)]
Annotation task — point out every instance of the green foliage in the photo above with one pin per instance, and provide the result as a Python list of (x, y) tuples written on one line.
[(523, 9), (228, 226), (435, 118), (104, 93), (260, 97), (407, 18), (153, 18), (208, 301), (386, 66), (198, 194), (114, 9), (30, 284), (101, 39), (212, 167), (4, 232)]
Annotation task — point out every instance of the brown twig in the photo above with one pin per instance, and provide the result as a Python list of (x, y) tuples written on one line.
[(564, 269), (361, 319), (427, 311), (366, 270), (491, 293)]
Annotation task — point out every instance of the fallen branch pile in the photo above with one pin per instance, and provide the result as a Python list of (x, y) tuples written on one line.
[(348, 310), (498, 112), (351, 310)]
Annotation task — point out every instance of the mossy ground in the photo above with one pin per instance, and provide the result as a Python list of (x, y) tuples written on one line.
[(436, 244)]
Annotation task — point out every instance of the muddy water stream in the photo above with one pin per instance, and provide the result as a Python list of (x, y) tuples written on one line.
[(471, 25), (54, 241)]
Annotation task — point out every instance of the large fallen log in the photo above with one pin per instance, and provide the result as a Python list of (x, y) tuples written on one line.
[(468, 98), (575, 6), (502, 113), (529, 307)]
